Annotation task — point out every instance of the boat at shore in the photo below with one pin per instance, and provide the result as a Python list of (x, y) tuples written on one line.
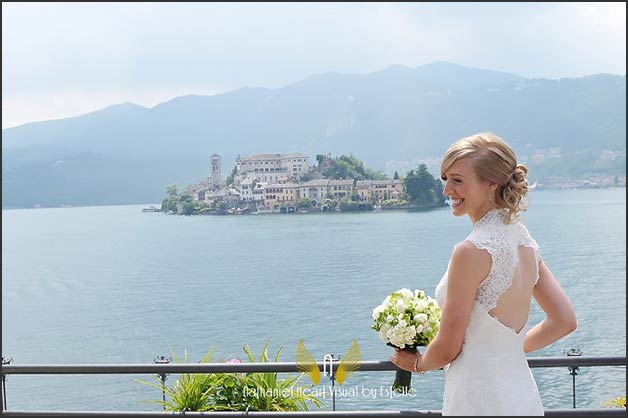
[(151, 209), (238, 211)]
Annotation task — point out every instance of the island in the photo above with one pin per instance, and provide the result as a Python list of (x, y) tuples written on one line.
[(287, 183)]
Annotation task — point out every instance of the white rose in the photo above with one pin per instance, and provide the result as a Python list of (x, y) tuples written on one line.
[(420, 318), (401, 307), (421, 305), (378, 311), (406, 293)]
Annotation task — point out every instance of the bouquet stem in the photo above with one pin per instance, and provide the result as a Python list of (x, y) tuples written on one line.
[(403, 378)]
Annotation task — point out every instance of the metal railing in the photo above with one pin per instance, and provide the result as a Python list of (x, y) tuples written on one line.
[(572, 361)]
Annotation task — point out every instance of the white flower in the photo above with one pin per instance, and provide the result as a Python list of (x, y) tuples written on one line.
[(410, 332), (378, 311), (407, 318), (420, 318), (401, 307)]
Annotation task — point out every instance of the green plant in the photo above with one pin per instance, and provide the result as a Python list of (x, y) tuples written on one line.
[(192, 391), (270, 393), (305, 202), (235, 391)]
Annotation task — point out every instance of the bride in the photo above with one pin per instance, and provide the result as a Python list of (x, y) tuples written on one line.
[(487, 289)]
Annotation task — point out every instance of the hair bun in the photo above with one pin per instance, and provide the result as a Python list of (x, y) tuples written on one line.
[(519, 174), (516, 190)]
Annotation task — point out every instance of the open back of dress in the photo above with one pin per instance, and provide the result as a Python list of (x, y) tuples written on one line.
[(513, 306)]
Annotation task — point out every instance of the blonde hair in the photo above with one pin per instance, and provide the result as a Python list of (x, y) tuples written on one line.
[(493, 160)]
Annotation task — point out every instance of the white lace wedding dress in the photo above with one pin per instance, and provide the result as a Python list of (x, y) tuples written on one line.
[(491, 376)]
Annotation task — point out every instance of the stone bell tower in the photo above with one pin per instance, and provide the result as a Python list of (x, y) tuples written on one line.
[(216, 178)]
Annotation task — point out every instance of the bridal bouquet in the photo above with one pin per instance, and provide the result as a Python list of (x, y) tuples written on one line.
[(406, 320)]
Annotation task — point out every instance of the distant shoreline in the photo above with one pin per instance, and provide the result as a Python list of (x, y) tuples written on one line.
[(539, 188)]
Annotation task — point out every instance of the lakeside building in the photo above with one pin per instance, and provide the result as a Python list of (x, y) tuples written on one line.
[(271, 181), (272, 167), (316, 190), (258, 194), (280, 194), (337, 189), (246, 189), (379, 190), (204, 192)]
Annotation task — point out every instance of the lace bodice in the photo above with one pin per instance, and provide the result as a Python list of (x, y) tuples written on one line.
[(490, 375), (501, 240)]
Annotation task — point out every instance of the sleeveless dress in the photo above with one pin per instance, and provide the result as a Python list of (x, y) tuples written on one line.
[(491, 376)]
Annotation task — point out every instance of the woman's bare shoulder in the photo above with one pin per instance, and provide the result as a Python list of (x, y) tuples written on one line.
[(471, 260), (468, 249)]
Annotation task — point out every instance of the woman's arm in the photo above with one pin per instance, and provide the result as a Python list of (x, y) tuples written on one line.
[(561, 318), (469, 266)]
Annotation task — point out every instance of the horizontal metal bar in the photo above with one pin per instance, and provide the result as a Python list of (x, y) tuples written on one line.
[(580, 412), (284, 367), (576, 361), (333, 414)]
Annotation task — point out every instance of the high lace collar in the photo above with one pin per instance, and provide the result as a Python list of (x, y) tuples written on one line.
[(494, 216)]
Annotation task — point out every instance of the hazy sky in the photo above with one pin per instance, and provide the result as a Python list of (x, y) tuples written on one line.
[(65, 59)]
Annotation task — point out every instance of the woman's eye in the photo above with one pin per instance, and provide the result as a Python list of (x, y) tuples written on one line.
[(458, 181)]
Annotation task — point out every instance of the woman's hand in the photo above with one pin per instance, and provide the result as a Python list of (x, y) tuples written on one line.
[(405, 359)]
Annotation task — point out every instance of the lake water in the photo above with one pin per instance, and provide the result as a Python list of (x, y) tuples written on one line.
[(114, 285)]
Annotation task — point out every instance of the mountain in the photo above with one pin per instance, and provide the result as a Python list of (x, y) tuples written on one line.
[(127, 153)]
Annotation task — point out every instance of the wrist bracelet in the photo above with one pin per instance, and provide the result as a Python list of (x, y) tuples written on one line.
[(416, 364)]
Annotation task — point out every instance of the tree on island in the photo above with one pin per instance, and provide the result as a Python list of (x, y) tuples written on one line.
[(231, 176), (171, 190), (423, 189), (349, 167), (305, 202), (184, 201)]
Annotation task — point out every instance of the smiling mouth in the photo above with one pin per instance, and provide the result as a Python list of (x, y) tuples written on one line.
[(456, 202)]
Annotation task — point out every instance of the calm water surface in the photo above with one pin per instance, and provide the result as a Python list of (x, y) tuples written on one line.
[(114, 285)]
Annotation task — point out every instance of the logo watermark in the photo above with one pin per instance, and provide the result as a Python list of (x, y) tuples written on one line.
[(329, 391), (349, 363)]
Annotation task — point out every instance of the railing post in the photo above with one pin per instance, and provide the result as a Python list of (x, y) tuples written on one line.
[(573, 370), (329, 359), (163, 376), (5, 362)]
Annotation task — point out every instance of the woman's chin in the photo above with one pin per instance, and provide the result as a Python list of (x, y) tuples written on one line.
[(457, 211)]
